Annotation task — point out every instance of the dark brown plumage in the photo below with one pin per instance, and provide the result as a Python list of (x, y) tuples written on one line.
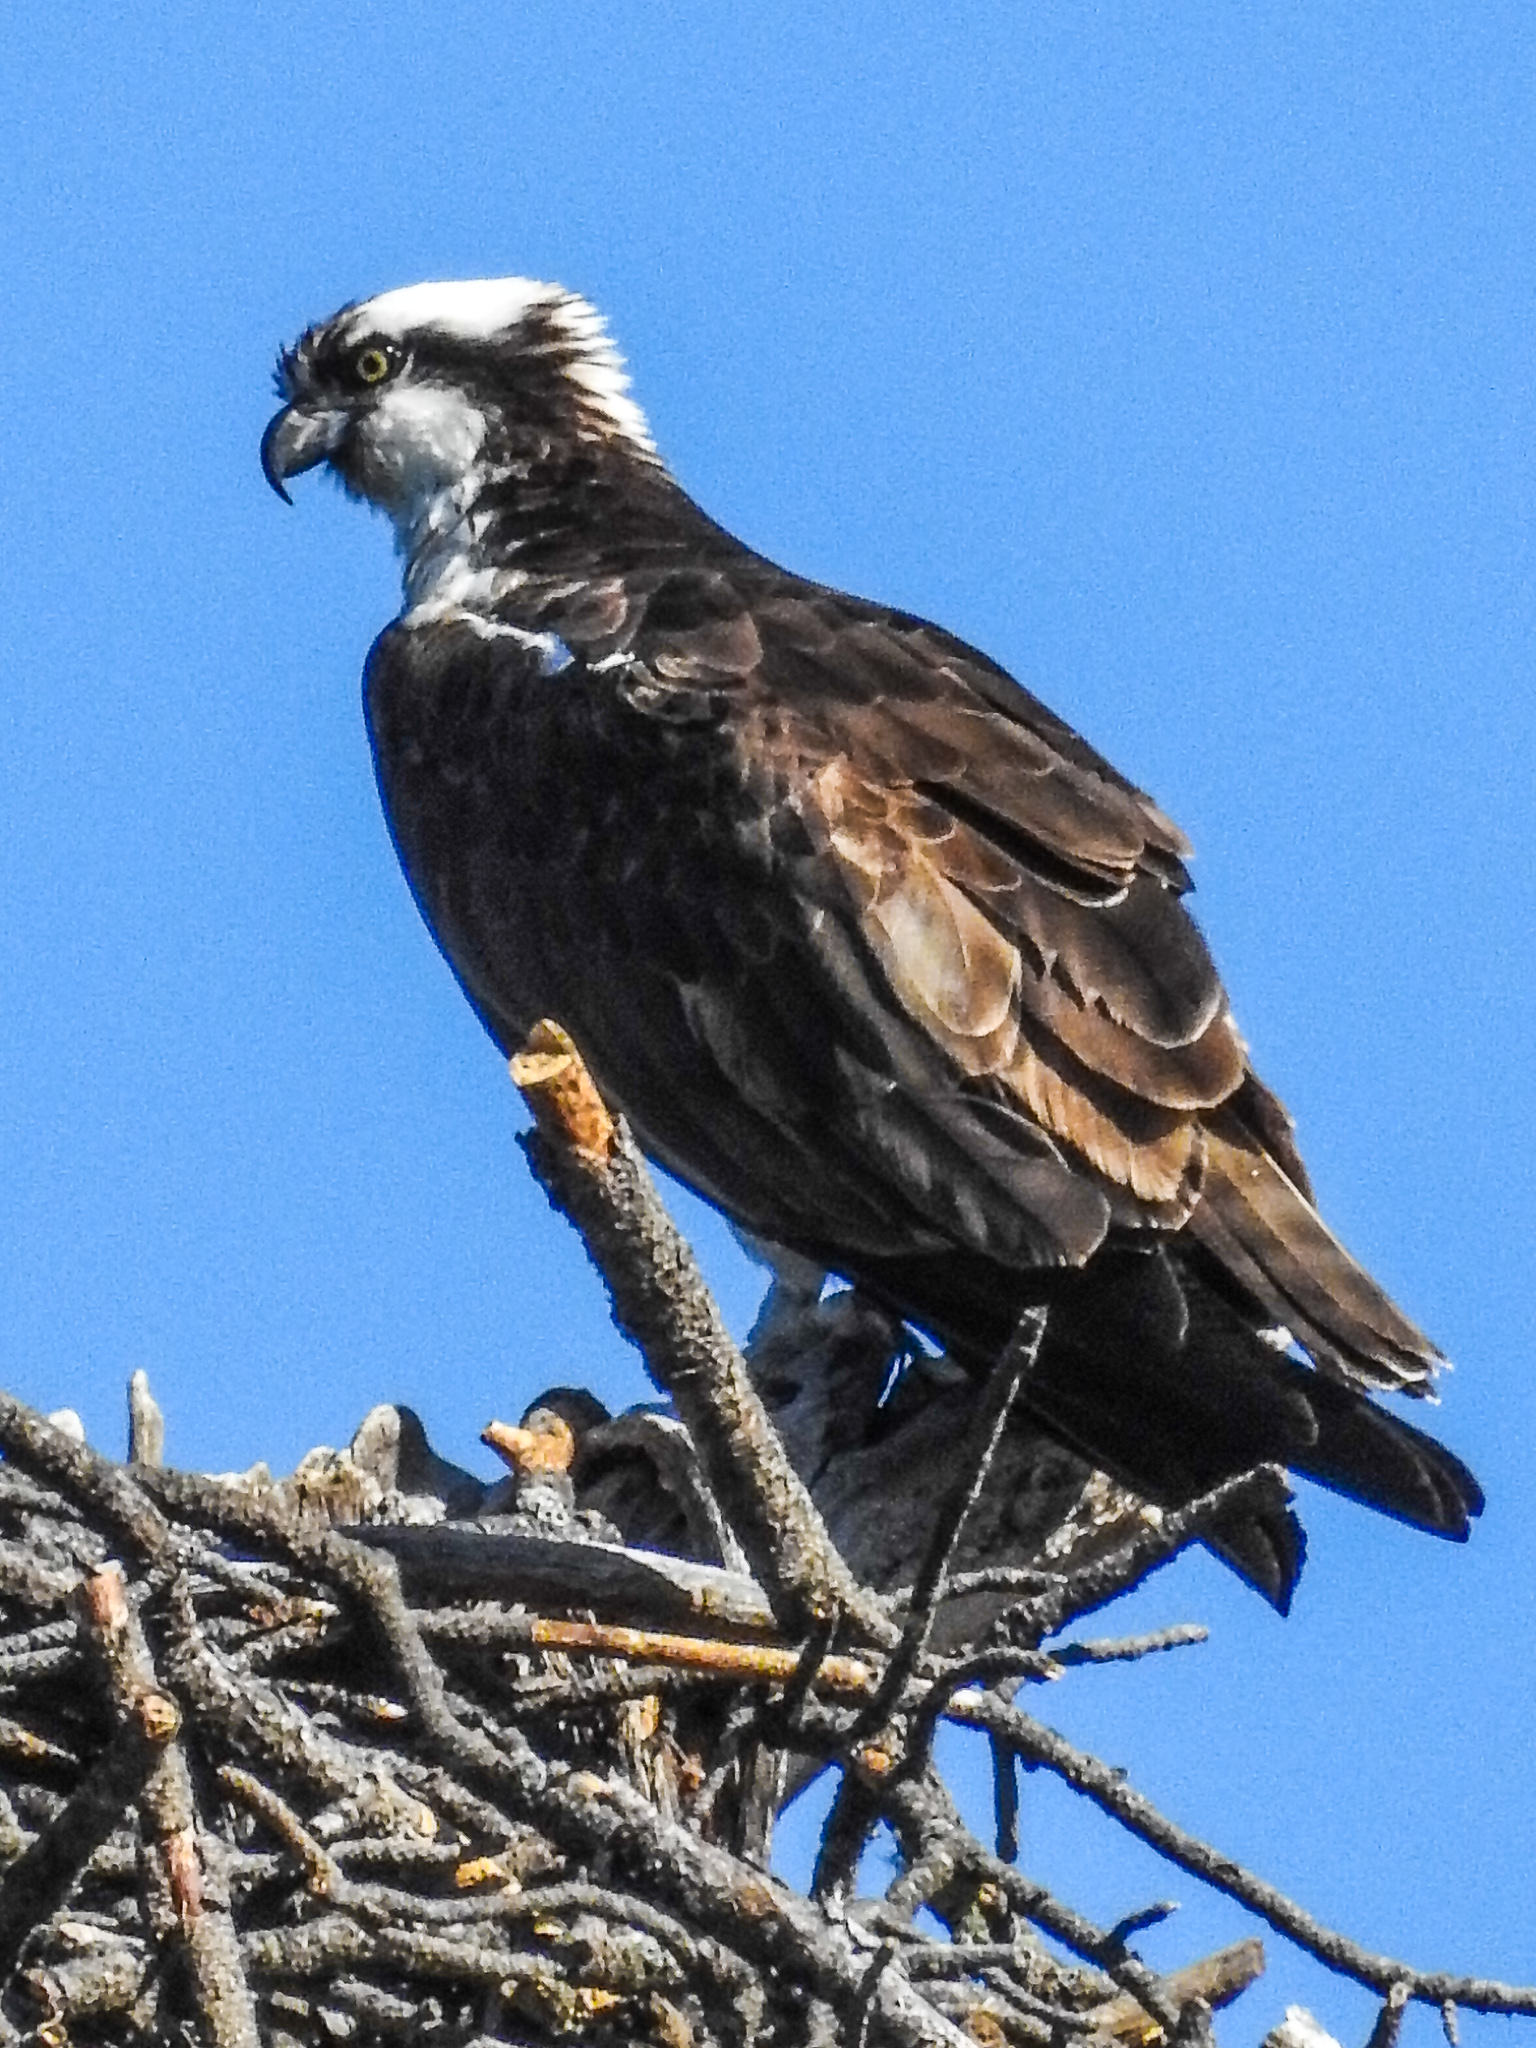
[(871, 948)]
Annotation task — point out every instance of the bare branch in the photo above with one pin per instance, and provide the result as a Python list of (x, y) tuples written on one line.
[(1127, 1649), (1065, 1597), (1040, 1745), (192, 1915), (1216, 1980), (751, 1663), (589, 1167)]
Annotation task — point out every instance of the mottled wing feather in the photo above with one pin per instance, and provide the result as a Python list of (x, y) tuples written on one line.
[(1008, 913), (1022, 901)]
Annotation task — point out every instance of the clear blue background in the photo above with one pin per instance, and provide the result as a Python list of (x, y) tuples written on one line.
[(1178, 355)]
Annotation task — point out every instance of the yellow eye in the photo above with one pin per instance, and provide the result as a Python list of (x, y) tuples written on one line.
[(371, 365)]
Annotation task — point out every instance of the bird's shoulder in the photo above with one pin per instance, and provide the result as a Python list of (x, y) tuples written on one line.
[(1018, 900), (909, 716)]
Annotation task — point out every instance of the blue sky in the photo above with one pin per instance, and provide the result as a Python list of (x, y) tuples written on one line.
[(1178, 356)]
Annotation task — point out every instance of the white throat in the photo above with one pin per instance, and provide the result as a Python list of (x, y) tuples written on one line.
[(423, 468), (442, 570)]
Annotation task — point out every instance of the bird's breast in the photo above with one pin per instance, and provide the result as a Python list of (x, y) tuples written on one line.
[(557, 835)]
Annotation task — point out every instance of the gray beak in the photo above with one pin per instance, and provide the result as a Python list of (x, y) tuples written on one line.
[(298, 439)]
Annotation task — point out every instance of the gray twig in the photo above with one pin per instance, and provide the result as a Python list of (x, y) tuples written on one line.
[(1389, 2018), (1040, 1745), (991, 1413)]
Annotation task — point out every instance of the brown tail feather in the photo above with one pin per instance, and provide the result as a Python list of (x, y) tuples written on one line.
[(1259, 1226)]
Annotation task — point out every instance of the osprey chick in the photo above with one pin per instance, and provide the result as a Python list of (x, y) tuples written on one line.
[(871, 948)]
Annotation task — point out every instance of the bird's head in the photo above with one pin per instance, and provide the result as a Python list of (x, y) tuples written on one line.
[(423, 394)]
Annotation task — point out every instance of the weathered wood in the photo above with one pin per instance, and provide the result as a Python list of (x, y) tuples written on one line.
[(480, 1561)]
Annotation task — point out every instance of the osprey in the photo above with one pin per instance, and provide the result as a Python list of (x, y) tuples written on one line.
[(869, 946)]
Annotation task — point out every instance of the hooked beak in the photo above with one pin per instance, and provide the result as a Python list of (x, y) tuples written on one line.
[(298, 439)]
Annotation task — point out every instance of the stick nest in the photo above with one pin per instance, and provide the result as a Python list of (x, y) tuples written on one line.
[(378, 1753)]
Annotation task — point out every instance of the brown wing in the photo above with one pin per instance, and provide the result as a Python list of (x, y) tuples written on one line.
[(1012, 898), (603, 847), (1018, 903)]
